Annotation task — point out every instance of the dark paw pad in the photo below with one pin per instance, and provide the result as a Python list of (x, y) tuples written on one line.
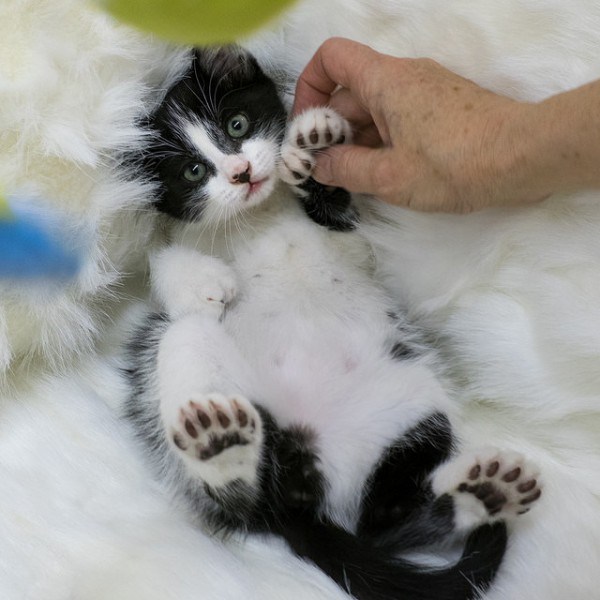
[(211, 425), (504, 483)]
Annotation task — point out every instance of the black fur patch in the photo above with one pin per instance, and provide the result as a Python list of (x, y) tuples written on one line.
[(292, 486), (141, 358), (301, 483), (398, 491), (330, 207), (370, 572), (402, 351)]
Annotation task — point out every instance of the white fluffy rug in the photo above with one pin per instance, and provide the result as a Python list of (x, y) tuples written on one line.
[(515, 296)]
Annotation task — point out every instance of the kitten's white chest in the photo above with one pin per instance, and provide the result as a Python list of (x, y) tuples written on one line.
[(299, 264), (285, 262)]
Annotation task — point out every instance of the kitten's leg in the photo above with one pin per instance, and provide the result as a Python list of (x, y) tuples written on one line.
[(212, 429), (417, 494), (469, 491), (398, 499), (263, 477), (309, 132)]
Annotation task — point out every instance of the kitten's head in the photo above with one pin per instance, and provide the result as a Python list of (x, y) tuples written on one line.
[(218, 133)]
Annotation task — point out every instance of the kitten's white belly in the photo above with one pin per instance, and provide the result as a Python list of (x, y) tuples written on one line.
[(306, 317), (316, 333)]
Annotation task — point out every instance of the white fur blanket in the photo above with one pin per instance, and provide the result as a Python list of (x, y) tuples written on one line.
[(515, 296)]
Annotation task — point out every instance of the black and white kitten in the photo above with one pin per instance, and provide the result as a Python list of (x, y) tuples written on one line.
[(278, 389)]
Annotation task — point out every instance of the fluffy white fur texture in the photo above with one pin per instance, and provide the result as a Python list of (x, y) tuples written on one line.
[(71, 85), (514, 295)]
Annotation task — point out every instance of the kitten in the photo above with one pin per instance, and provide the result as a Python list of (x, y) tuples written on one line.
[(279, 389)]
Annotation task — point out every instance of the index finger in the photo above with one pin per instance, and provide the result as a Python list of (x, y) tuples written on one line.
[(337, 62)]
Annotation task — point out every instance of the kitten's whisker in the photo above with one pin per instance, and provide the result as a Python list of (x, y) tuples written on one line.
[(228, 218), (213, 93), (205, 224), (246, 225), (217, 219), (237, 217), (199, 87)]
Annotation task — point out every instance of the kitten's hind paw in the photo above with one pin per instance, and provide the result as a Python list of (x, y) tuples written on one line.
[(219, 439), (488, 485)]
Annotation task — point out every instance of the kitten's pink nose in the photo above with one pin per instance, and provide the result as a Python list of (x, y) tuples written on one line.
[(238, 169)]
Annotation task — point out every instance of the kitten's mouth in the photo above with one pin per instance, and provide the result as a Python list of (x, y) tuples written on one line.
[(255, 186)]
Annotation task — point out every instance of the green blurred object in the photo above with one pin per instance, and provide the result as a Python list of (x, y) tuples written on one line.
[(197, 22)]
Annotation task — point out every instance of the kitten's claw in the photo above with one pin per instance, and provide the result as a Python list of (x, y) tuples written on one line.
[(219, 439)]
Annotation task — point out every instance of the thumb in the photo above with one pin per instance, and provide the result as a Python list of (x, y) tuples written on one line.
[(356, 168)]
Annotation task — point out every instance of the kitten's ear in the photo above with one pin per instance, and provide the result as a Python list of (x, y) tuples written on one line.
[(227, 61)]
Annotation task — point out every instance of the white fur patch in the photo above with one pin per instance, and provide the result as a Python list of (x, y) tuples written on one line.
[(200, 137)]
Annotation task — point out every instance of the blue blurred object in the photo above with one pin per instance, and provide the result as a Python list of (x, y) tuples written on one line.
[(31, 244)]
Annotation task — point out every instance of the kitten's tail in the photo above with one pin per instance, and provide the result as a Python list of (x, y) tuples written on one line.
[(371, 573)]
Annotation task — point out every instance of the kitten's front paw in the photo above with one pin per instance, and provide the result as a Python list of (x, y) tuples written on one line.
[(219, 439), (209, 292), (188, 282), (488, 485), (319, 128), (312, 130)]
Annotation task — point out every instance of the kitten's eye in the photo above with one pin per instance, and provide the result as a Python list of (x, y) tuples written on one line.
[(194, 172), (238, 126)]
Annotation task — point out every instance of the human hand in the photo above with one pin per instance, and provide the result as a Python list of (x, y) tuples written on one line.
[(425, 138)]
